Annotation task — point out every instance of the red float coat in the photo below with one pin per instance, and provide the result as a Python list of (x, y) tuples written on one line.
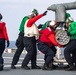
[(3, 31), (48, 37)]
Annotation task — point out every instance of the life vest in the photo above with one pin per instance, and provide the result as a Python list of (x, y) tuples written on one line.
[(31, 31)]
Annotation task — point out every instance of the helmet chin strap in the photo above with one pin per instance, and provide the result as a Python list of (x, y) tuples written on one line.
[(31, 15), (34, 14)]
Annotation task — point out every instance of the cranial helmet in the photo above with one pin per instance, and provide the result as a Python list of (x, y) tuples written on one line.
[(67, 15), (47, 23), (52, 23), (35, 11), (69, 19)]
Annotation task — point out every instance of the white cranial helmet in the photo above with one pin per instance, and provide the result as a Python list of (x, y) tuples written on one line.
[(52, 23), (69, 19)]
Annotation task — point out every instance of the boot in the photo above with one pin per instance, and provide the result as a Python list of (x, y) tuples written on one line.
[(1, 67), (70, 68), (67, 66), (75, 65), (13, 67), (36, 67), (45, 67), (53, 66), (50, 65), (25, 67)]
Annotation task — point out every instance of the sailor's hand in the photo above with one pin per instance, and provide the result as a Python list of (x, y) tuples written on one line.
[(45, 13), (8, 43)]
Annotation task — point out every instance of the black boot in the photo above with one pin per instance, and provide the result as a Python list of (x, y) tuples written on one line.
[(45, 67), (75, 65), (70, 68), (1, 67), (50, 65), (36, 67), (13, 67), (67, 66), (53, 66), (25, 67)]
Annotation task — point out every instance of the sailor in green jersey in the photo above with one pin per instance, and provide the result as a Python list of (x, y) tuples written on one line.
[(19, 41), (21, 29), (46, 24), (70, 50)]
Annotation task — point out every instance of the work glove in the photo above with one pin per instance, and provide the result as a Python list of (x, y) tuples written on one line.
[(8, 43), (68, 33), (40, 26), (45, 13)]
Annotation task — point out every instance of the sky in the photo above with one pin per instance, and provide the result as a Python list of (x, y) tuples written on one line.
[(14, 10)]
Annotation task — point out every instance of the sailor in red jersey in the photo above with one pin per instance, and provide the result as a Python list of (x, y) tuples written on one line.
[(46, 44), (30, 35), (3, 38)]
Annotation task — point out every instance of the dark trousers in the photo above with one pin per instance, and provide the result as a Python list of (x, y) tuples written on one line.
[(20, 47), (30, 45), (69, 54), (74, 56), (48, 51), (53, 49), (2, 48)]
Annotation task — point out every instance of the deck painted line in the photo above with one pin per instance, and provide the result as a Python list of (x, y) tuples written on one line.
[(19, 58)]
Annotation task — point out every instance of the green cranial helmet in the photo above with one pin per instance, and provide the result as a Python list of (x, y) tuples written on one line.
[(35, 11), (67, 15)]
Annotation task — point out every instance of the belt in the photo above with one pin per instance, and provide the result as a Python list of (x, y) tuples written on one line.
[(29, 35)]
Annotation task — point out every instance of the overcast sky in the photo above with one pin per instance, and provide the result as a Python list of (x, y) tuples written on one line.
[(14, 10)]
